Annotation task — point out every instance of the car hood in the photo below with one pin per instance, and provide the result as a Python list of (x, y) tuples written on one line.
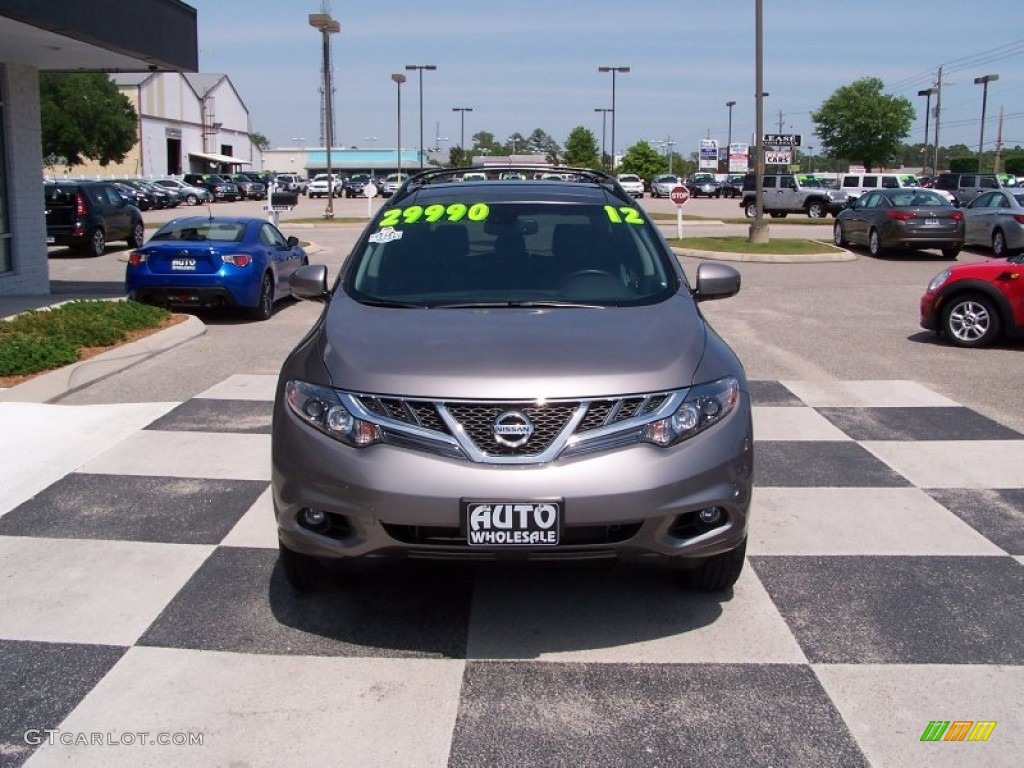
[(501, 353)]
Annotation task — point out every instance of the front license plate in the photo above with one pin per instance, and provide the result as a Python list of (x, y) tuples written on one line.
[(512, 523)]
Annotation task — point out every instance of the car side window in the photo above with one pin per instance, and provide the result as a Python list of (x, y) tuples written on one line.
[(112, 197), (788, 182), (988, 183), (851, 181), (870, 182), (967, 181), (273, 238), (768, 182), (1000, 200), (890, 182)]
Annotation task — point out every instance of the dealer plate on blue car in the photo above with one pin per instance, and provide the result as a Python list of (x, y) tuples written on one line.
[(511, 523)]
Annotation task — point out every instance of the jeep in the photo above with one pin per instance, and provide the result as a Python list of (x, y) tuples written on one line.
[(785, 193)]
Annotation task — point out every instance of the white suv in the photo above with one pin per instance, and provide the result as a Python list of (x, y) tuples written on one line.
[(318, 187), (632, 184)]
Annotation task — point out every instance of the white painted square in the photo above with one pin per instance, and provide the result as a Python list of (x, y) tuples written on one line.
[(257, 527), (636, 616), (866, 394), (994, 464), (41, 443), (267, 711), (89, 591), (243, 386), (888, 707), (858, 521), (215, 455), (783, 423)]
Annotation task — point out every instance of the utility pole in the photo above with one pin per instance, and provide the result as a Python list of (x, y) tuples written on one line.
[(780, 121), (999, 142), (938, 112)]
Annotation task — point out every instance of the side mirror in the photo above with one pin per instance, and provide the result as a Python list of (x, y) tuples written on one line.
[(293, 241), (309, 283), (716, 281)]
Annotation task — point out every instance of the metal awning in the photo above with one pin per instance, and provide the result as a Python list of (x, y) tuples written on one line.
[(223, 159)]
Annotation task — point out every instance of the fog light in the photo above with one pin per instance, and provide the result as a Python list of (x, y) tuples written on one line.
[(312, 518), (710, 516)]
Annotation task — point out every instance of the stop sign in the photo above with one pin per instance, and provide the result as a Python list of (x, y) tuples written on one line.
[(679, 195)]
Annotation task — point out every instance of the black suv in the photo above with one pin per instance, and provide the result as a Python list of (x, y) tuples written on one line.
[(964, 187), (220, 187), (250, 186), (86, 214), (353, 186)]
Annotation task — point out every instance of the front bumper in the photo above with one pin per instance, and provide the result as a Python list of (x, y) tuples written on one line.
[(629, 504)]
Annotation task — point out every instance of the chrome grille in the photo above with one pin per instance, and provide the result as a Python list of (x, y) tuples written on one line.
[(477, 420)]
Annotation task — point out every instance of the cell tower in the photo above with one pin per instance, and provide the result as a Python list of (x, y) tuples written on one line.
[(325, 7)]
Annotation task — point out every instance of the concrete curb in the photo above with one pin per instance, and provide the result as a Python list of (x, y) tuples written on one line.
[(768, 258), (51, 385)]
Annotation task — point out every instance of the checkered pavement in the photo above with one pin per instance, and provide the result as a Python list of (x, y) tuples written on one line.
[(141, 599)]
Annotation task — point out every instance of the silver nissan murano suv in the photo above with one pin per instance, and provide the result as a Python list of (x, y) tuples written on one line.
[(513, 370)]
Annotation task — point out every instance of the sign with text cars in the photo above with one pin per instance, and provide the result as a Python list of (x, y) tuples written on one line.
[(739, 157), (709, 154), (782, 139), (778, 157)]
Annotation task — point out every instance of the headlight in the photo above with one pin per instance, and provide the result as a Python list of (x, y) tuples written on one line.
[(322, 409), (703, 407), (938, 280)]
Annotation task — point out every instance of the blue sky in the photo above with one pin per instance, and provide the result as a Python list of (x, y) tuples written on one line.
[(532, 64)]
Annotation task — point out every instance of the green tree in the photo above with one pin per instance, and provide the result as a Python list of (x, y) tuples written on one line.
[(860, 122), (484, 143), (581, 150), (459, 157), (540, 143), (84, 116), (643, 160), (261, 141)]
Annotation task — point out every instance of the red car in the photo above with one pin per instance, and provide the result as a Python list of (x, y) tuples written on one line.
[(973, 304)]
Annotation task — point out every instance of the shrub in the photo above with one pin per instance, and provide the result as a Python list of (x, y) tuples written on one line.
[(49, 338)]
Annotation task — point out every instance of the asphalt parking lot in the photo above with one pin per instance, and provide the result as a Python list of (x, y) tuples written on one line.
[(883, 591)]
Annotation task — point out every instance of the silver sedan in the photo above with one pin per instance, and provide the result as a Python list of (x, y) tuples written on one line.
[(996, 220)]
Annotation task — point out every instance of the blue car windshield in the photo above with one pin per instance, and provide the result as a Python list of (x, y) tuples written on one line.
[(194, 230)]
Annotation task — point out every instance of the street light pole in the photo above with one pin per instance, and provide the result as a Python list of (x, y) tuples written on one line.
[(327, 27), (983, 81), (730, 105), (614, 71), (759, 230), (604, 115), (421, 67), (462, 139), (399, 79)]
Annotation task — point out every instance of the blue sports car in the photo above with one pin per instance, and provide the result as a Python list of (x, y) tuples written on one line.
[(219, 261)]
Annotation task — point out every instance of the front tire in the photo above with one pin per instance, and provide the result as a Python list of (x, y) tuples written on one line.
[(970, 320), (191, 199), (950, 253), (265, 309), (874, 243), (839, 236), (716, 573), (303, 573), (750, 210), (817, 210)]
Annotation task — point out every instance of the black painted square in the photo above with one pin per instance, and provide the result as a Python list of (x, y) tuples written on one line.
[(998, 515), (239, 601), (134, 508), (954, 423), (900, 610), (212, 415), (820, 464), (771, 393)]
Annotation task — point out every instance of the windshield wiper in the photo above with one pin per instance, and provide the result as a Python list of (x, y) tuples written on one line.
[(390, 303), (530, 304)]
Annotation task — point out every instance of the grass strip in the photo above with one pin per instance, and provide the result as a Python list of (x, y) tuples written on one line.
[(739, 244)]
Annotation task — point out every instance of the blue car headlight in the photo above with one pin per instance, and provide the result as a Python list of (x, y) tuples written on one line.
[(321, 408), (704, 406)]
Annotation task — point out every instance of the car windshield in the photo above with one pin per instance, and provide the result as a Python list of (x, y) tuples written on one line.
[(451, 254), (201, 230)]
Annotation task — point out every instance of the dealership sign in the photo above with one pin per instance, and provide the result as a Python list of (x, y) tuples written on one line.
[(709, 154), (782, 139), (778, 157), (739, 158)]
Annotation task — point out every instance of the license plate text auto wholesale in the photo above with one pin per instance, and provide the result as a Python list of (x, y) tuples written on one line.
[(490, 524)]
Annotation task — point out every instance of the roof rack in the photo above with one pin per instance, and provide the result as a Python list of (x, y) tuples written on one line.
[(494, 172)]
